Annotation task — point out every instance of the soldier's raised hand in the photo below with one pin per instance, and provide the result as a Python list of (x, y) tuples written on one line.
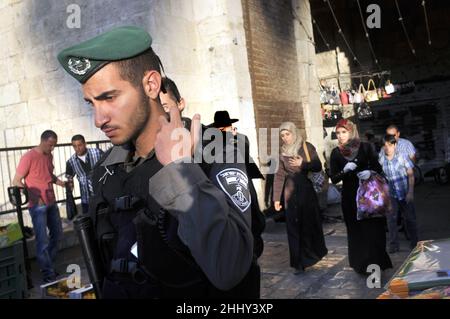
[(173, 141)]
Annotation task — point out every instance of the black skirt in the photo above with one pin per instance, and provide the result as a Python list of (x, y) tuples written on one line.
[(304, 225)]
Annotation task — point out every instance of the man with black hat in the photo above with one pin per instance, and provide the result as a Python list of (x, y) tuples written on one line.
[(163, 227), (224, 123)]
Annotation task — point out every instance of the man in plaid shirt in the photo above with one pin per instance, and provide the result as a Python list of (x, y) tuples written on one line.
[(398, 170), (404, 147), (81, 164)]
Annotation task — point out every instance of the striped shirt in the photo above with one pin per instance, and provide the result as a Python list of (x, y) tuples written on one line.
[(396, 172), (75, 166)]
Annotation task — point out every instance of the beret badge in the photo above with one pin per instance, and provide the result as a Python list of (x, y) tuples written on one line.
[(79, 66)]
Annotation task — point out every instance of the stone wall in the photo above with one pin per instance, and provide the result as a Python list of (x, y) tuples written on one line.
[(201, 43), (193, 37)]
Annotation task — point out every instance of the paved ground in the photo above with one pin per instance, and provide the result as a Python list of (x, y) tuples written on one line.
[(330, 278)]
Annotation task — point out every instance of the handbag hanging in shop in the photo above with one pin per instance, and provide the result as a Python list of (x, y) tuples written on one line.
[(348, 111), (351, 96), (318, 179), (364, 112), (323, 95), (389, 87), (371, 95), (329, 95), (344, 97), (359, 96), (334, 96), (330, 118)]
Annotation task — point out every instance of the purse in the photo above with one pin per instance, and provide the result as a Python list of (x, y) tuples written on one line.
[(364, 112), (359, 96), (389, 87), (317, 178), (371, 95), (334, 98), (331, 118), (348, 111), (351, 96), (344, 97)]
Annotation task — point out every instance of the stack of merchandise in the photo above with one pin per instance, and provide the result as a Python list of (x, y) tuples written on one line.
[(348, 103), (10, 234), (424, 274), (56, 290), (86, 292), (60, 289)]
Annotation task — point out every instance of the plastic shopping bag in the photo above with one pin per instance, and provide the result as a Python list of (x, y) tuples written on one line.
[(372, 197)]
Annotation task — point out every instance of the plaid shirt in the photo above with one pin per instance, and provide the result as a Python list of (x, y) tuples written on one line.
[(396, 173), (76, 166), (405, 148)]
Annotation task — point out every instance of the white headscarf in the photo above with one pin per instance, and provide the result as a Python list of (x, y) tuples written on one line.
[(291, 149)]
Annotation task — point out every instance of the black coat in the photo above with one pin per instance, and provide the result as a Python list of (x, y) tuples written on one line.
[(366, 238)]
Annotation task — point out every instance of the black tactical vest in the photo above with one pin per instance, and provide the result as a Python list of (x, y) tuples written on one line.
[(124, 212)]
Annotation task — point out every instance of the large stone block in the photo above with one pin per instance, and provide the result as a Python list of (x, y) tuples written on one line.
[(15, 68), (2, 125), (9, 137), (31, 88), (206, 9), (34, 62), (3, 70), (213, 28), (41, 111), (6, 17), (182, 8), (16, 115), (9, 94), (22, 13)]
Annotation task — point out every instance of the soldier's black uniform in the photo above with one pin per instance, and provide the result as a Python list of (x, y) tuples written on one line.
[(192, 232)]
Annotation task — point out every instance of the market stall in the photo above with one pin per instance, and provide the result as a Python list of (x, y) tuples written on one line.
[(425, 274)]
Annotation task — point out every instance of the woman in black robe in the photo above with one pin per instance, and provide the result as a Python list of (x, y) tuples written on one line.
[(350, 161), (303, 223)]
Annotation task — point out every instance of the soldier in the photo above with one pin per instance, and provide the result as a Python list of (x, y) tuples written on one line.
[(164, 227)]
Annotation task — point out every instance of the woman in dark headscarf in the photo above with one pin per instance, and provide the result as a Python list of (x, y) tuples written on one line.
[(304, 227), (351, 161)]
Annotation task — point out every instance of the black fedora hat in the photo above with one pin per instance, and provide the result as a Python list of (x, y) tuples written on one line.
[(222, 119)]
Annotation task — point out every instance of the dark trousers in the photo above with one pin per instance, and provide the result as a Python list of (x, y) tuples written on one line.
[(408, 213), (85, 208)]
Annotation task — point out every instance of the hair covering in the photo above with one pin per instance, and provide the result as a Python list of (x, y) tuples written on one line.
[(350, 149), (291, 149)]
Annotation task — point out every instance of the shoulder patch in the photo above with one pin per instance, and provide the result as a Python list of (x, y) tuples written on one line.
[(234, 183)]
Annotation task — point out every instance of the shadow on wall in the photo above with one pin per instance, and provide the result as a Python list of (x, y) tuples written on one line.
[(53, 25)]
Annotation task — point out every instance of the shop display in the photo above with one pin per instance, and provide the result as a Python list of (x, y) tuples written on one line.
[(424, 274), (10, 234), (371, 95), (56, 289), (364, 112), (86, 292)]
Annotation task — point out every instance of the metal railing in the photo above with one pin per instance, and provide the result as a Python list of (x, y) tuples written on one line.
[(9, 160)]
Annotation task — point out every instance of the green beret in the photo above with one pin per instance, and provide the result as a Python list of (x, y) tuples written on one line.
[(82, 60)]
